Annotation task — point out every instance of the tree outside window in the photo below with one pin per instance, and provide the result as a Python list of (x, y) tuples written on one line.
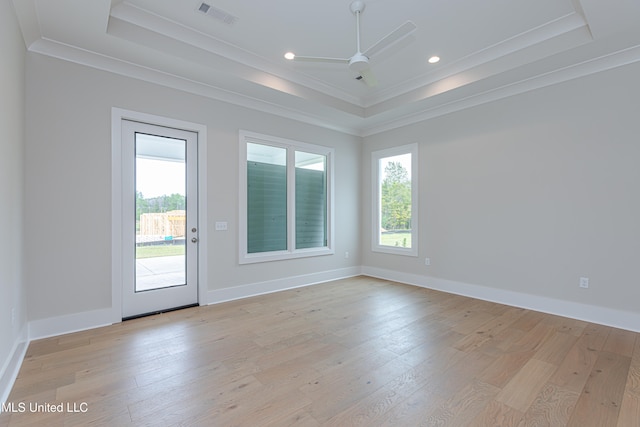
[(395, 193)]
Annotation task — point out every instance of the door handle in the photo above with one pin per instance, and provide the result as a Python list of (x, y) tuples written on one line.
[(194, 239)]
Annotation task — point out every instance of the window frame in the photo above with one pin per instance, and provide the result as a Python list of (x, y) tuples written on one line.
[(376, 208), (291, 146)]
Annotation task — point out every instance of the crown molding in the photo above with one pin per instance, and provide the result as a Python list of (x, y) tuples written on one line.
[(225, 51), (592, 66), (106, 63), (360, 127), (540, 35)]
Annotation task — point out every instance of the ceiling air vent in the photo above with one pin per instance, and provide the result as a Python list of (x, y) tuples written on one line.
[(216, 13)]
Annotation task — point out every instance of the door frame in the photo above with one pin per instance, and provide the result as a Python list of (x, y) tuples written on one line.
[(117, 272)]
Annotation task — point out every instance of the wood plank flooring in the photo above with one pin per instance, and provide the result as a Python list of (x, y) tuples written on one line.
[(354, 352)]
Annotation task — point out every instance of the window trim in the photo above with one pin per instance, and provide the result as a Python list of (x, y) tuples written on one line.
[(244, 257), (376, 175)]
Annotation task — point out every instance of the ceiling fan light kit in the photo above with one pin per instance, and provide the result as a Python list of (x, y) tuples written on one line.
[(359, 62)]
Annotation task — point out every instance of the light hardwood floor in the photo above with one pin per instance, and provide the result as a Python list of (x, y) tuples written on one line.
[(354, 352)]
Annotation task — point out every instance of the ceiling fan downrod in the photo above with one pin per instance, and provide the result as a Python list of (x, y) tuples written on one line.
[(358, 62)]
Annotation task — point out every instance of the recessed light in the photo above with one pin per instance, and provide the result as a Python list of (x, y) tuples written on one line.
[(434, 59), (289, 55)]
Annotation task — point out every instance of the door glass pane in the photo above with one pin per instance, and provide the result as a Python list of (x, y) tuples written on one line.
[(395, 201), (266, 198), (160, 212), (311, 200)]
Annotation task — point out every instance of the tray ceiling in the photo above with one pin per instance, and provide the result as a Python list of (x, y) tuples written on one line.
[(488, 50)]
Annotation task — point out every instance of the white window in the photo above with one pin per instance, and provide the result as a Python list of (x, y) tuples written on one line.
[(395, 201), (286, 199)]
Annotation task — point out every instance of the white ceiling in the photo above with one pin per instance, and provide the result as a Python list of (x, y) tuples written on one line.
[(489, 49)]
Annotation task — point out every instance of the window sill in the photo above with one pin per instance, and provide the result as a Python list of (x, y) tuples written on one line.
[(396, 251), (283, 255)]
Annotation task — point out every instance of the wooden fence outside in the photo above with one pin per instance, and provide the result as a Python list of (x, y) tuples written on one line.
[(165, 225)]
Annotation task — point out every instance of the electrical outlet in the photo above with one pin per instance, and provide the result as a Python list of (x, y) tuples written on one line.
[(346, 254), (221, 226), (427, 261), (584, 282)]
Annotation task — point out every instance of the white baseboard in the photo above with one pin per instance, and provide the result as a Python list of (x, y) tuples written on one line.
[(10, 370), (590, 313), (54, 326), (49, 327), (60, 325), (45, 328), (260, 288)]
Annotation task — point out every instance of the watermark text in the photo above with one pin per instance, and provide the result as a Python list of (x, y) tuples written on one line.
[(44, 407)]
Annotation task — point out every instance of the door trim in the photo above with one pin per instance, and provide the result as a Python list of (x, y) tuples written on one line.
[(117, 116)]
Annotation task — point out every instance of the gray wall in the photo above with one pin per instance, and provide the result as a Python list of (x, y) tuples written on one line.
[(529, 193), (525, 194), (68, 183), (12, 123)]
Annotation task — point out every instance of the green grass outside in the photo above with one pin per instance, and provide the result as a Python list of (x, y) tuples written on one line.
[(158, 251), (396, 239), (152, 251)]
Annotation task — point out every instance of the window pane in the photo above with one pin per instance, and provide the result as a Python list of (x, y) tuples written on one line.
[(395, 201), (286, 198), (266, 198), (160, 212), (311, 200)]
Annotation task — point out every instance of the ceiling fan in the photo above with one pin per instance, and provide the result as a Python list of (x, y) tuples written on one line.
[(359, 62)]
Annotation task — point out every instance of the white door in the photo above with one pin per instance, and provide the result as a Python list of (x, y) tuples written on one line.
[(160, 222)]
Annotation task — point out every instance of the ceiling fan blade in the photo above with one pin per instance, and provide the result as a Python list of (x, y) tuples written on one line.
[(369, 78), (394, 36), (320, 59)]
